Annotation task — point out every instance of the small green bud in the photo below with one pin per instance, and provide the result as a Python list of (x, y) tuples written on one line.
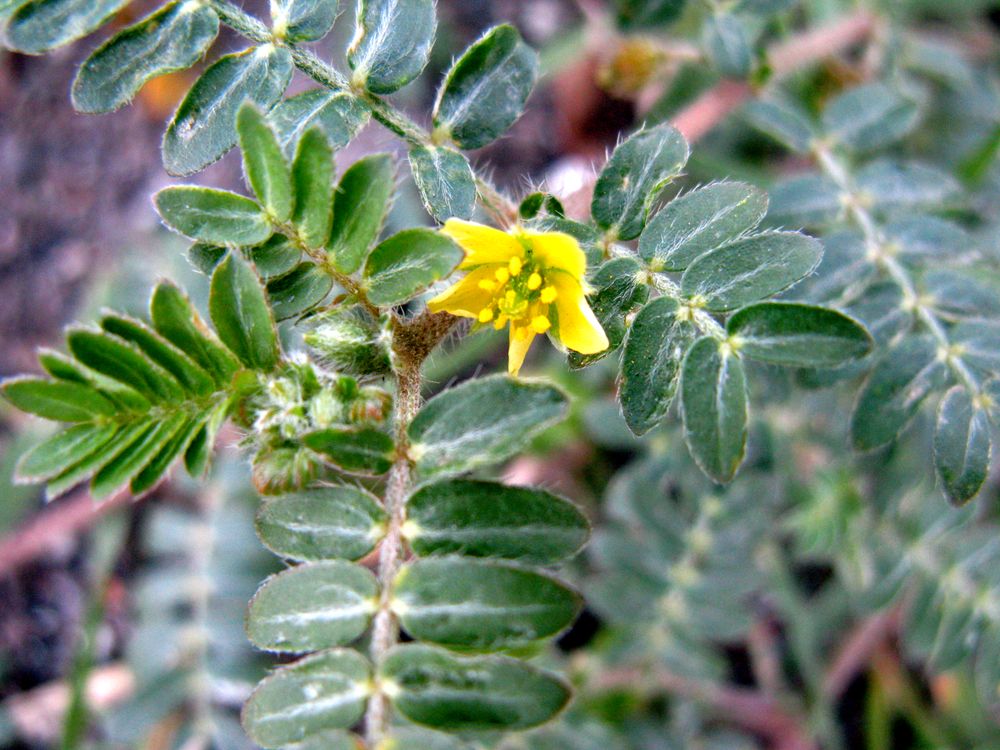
[(326, 408), (283, 468), (351, 342)]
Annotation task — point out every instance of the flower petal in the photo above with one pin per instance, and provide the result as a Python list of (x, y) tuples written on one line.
[(464, 298), (579, 329), (559, 250), (517, 350), (482, 244)]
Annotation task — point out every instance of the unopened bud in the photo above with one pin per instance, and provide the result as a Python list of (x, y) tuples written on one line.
[(351, 342)]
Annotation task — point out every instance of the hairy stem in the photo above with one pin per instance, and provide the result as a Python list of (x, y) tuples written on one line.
[(385, 630)]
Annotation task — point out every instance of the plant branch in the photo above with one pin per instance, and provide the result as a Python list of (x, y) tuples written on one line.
[(858, 648), (881, 256), (326, 75)]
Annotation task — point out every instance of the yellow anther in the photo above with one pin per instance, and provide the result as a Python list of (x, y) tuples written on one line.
[(501, 321), (487, 286), (514, 266), (534, 281), (502, 275), (486, 315), (540, 324), (549, 295), (509, 297)]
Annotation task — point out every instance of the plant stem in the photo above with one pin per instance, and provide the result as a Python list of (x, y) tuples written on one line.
[(876, 246), (385, 631)]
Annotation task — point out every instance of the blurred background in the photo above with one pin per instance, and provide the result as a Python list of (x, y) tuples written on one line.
[(142, 604)]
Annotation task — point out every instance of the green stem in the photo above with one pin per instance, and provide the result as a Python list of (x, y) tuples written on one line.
[(875, 245)]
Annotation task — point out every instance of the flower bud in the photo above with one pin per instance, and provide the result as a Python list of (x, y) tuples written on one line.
[(351, 342)]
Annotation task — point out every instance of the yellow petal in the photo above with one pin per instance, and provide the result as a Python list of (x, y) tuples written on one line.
[(465, 298), (579, 329), (482, 244), (559, 250), (519, 345)]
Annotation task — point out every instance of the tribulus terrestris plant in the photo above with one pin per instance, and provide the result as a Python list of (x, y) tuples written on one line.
[(420, 588)]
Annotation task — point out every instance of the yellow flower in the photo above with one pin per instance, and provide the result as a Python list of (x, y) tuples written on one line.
[(533, 281)]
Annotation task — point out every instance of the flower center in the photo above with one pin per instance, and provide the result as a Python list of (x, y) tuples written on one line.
[(520, 296)]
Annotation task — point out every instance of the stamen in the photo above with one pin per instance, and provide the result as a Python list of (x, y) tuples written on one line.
[(487, 286), (500, 322), (549, 295), (534, 281), (514, 265), (510, 297), (502, 275), (540, 324), (486, 315)]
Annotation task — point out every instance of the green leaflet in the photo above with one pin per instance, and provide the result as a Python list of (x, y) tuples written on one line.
[(700, 221), (275, 257), (334, 739), (171, 39), (338, 683), (323, 523), (486, 519), (786, 123), (125, 436), (750, 269), (980, 344), (392, 43), (795, 335), (727, 45), (962, 445), (407, 263), (896, 387), (58, 453), (897, 186), (123, 361), (304, 20), (58, 400), (634, 176), (299, 290), (870, 117), (455, 693), (312, 180), (264, 164), (204, 126), (639, 15), (482, 421), (311, 607), (481, 605), (356, 450), (359, 209), (176, 446), (192, 377), (445, 181), (41, 25), (807, 201), (338, 114), (241, 315), (714, 408), (213, 216), (486, 89), (125, 466), (176, 320), (651, 363), (621, 286)]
